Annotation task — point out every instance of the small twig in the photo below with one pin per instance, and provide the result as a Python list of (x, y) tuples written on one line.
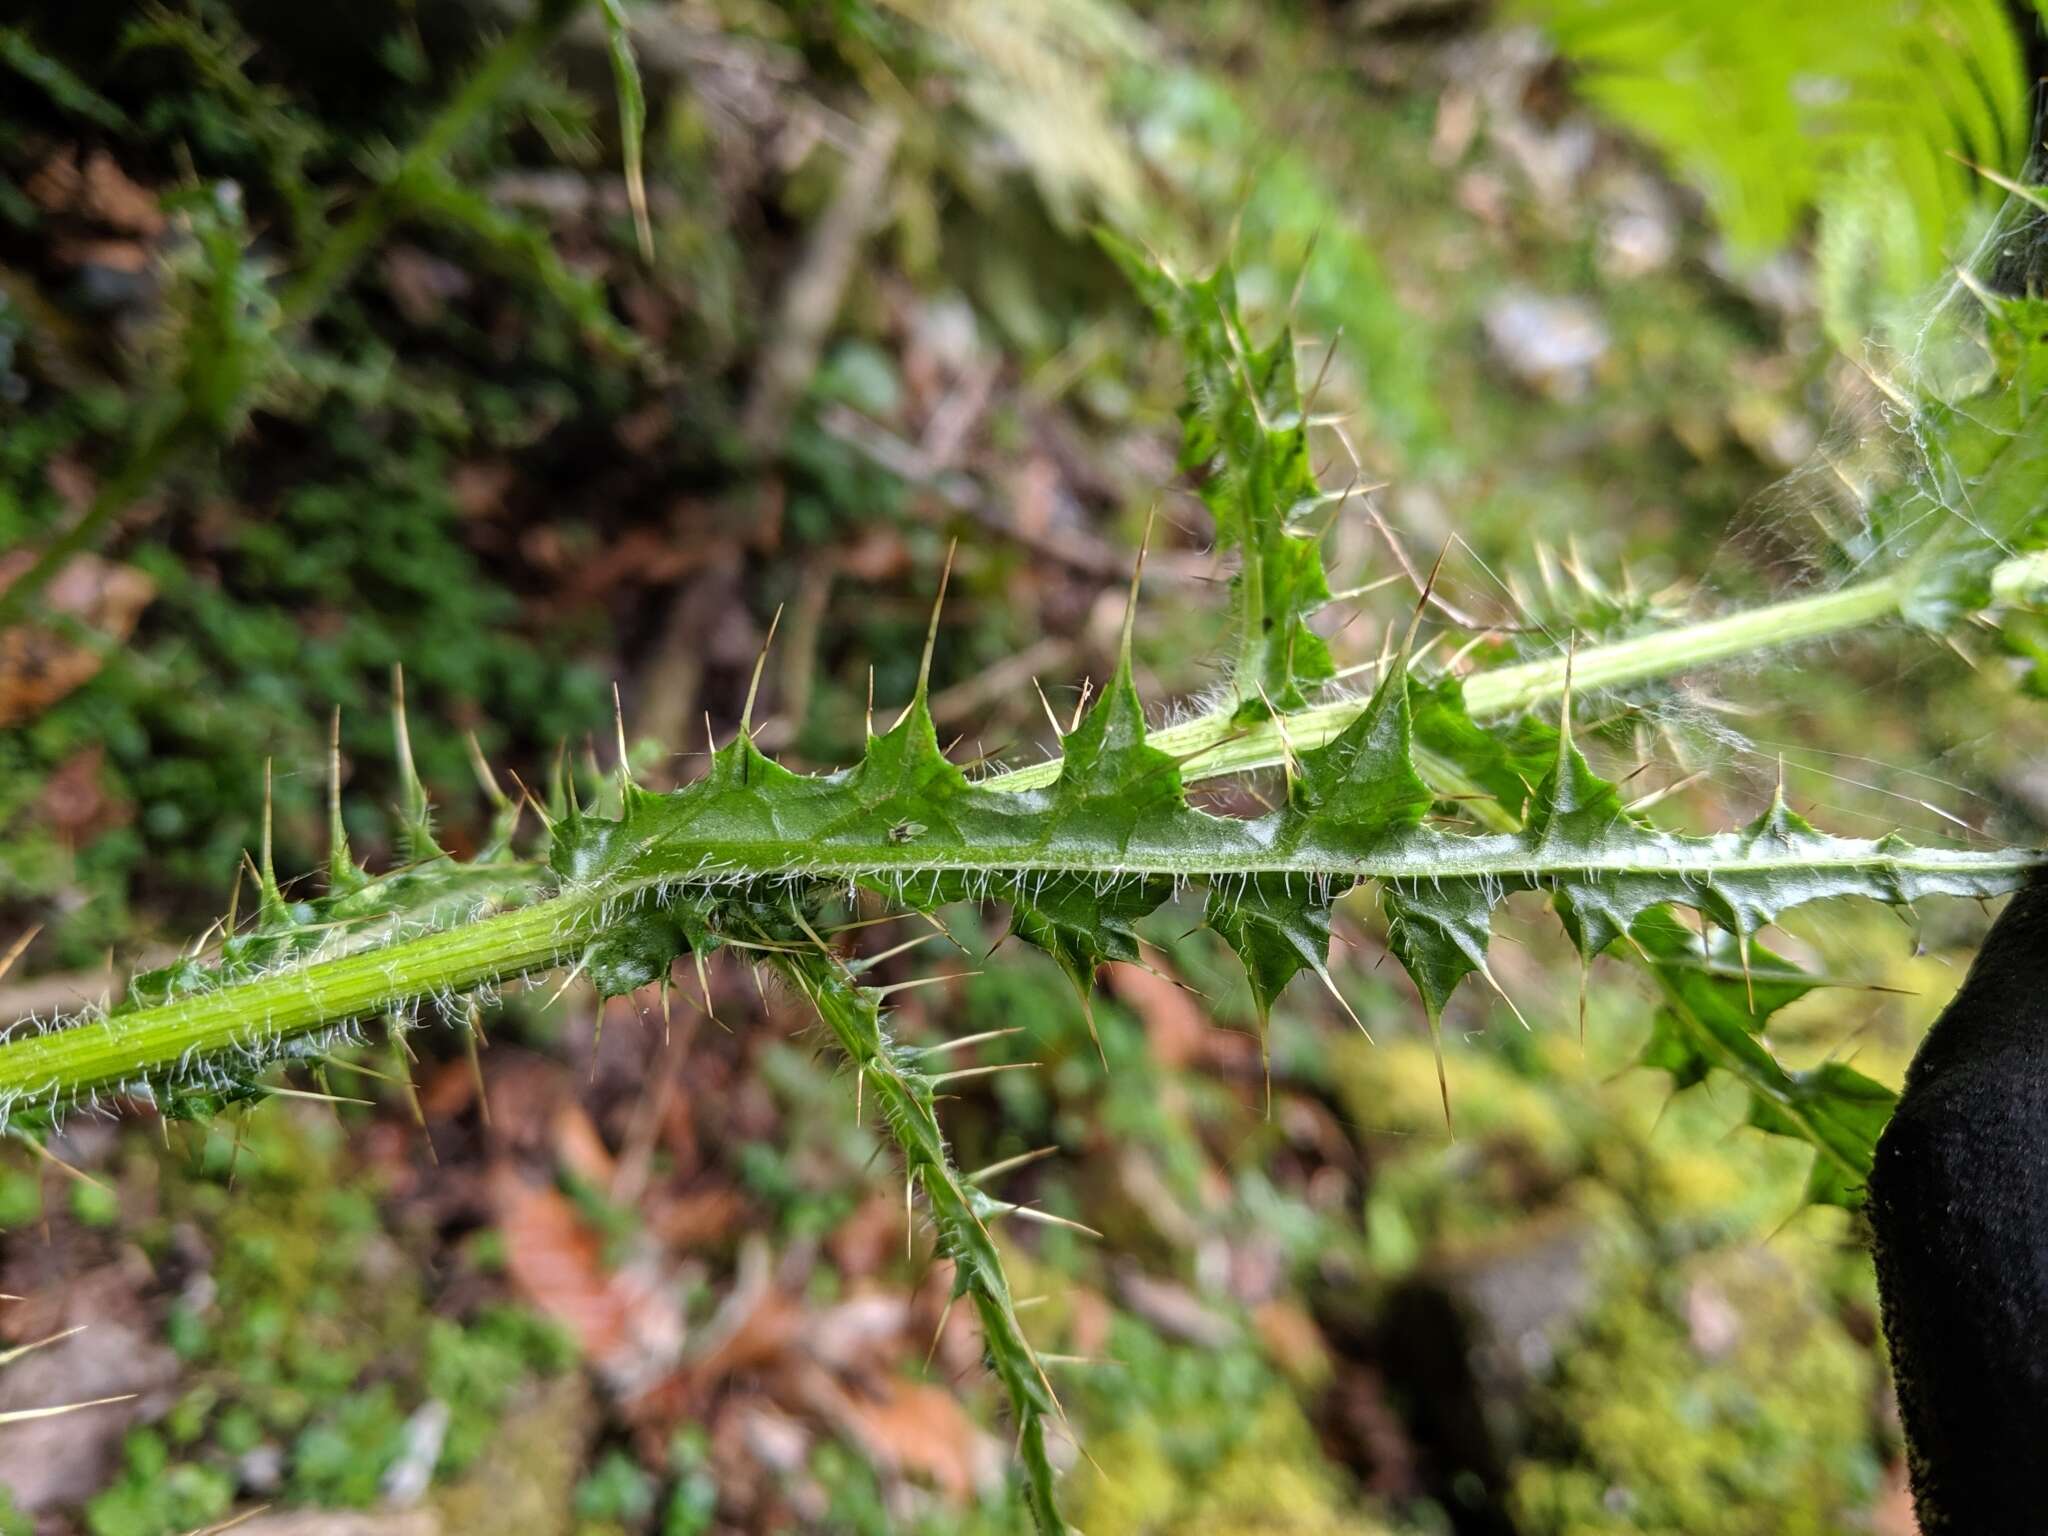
[(816, 289)]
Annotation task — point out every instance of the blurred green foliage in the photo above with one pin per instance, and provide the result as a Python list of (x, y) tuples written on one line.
[(330, 547), (1865, 117)]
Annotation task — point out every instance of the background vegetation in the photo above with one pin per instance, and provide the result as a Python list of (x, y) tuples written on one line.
[(373, 365)]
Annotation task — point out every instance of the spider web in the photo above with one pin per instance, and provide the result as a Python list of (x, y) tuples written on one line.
[(1880, 480)]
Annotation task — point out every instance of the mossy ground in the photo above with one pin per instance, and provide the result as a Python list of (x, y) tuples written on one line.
[(520, 516), (304, 1332)]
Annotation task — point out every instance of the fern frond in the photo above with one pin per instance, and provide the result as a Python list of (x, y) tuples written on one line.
[(1867, 112)]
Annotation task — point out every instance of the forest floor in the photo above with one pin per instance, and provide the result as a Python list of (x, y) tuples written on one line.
[(644, 1270)]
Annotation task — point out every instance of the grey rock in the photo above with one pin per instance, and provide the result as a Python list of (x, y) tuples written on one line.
[(1550, 344)]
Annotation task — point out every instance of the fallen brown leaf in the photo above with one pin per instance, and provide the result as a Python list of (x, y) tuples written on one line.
[(579, 1149), (40, 664), (98, 192), (60, 1460), (337, 1522), (870, 1237), (421, 285), (1292, 1341), (478, 487), (622, 1320), (919, 1430), (109, 196), (73, 800), (698, 1219), (129, 256), (1176, 1024), (1174, 1310)]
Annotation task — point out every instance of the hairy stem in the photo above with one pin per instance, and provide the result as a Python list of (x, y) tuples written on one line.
[(122, 1048), (905, 1095), (555, 927), (261, 1013), (1214, 745)]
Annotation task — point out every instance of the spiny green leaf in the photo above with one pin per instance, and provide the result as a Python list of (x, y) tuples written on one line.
[(1079, 923), (1278, 926), (753, 853), (1718, 992), (1245, 442), (960, 1211), (1080, 856), (416, 810), (1506, 762), (1969, 496), (1113, 781), (1082, 863), (1984, 496), (2016, 336), (1364, 779)]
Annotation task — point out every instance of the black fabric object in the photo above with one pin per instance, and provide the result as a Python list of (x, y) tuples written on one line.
[(1958, 1207)]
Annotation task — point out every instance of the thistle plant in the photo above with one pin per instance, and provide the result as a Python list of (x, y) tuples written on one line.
[(1444, 793), (235, 338)]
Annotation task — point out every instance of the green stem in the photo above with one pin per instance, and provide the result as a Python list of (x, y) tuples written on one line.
[(904, 1094), (506, 62), (68, 1063), (101, 1055), (113, 1053), (552, 931), (1791, 622), (1214, 744)]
